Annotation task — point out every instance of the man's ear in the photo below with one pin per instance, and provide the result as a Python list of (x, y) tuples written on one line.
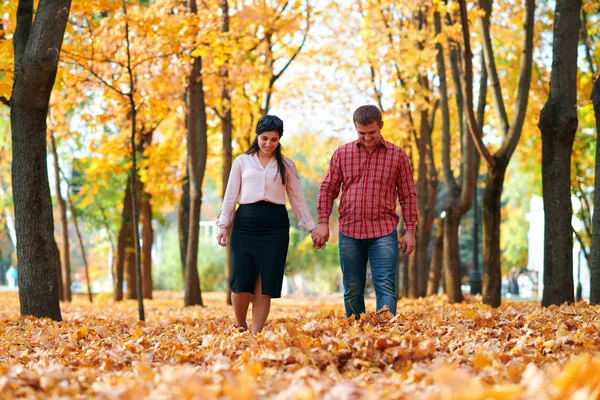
[(381, 125)]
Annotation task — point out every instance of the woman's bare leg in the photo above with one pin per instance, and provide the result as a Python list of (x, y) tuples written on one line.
[(240, 301), (260, 308)]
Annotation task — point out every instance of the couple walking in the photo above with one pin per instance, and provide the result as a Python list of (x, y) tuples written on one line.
[(372, 175)]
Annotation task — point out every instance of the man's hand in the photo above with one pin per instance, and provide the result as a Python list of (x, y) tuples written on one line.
[(222, 237), (320, 235), (408, 243)]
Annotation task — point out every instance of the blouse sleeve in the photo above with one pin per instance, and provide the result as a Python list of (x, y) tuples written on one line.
[(232, 193), (296, 196)]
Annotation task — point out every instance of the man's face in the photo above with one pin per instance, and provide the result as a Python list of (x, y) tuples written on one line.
[(369, 135)]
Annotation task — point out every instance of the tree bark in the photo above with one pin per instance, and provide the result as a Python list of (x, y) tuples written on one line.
[(37, 46), (435, 270), (196, 161), (147, 240), (65, 254), (492, 279), (595, 257), (558, 124)]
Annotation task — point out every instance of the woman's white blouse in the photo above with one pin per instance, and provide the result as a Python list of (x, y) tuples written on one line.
[(250, 182)]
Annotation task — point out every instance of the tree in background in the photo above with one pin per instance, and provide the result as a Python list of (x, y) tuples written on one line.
[(497, 162)]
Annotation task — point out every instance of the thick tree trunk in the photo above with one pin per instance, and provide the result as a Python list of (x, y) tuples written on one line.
[(37, 49), (147, 240), (595, 257), (492, 279), (65, 254), (124, 244), (435, 270), (558, 123)]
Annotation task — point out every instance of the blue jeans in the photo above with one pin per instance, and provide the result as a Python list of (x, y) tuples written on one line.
[(382, 254)]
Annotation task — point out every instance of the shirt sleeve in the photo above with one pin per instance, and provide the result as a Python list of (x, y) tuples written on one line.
[(296, 196), (330, 188), (232, 193), (407, 195)]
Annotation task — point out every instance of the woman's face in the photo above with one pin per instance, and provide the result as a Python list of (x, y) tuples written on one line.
[(268, 142)]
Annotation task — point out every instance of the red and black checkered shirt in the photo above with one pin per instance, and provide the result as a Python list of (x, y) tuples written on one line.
[(370, 185)]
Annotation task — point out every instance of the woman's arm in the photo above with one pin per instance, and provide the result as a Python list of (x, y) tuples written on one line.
[(296, 196)]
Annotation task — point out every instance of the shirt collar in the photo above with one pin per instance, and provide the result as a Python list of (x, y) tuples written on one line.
[(386, 145)]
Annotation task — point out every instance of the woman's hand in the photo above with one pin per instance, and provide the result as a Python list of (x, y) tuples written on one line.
[(222, 237)]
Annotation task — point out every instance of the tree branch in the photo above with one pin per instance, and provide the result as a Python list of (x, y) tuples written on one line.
[(474, 128), (5, 101), (516, 125)]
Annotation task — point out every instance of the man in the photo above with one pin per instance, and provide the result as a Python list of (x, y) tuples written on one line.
[(372, 174)]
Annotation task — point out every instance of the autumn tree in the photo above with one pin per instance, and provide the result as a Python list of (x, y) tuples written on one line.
[(558, 124), (37, 45), (497, 162)]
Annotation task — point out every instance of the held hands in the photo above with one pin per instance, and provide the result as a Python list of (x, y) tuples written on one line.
[(320, 235), (222, 237), (408, 243)]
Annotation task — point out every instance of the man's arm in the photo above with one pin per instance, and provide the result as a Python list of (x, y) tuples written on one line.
[(407, 196), (329, 191)]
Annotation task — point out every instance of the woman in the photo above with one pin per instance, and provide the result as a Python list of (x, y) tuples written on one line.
[(258, 181)]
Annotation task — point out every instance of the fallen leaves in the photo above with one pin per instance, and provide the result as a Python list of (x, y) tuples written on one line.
[(308, 350)]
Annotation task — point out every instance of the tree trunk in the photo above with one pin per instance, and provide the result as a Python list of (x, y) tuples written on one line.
[(435, 270), (227, 121), (37, 47), (492, 279), (196, 161), (451, 256), (147, 240), (183, 219), (65, 254), (558, 123), (595, 257), (124, 244), (58, 274), (82, 249)]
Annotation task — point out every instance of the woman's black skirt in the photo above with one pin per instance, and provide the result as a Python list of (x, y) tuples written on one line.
[(259, 245)]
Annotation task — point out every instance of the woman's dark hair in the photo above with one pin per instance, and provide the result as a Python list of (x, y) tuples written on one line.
[(270, 123)]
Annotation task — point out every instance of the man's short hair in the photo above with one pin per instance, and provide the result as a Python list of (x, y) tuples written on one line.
[(365, 115)]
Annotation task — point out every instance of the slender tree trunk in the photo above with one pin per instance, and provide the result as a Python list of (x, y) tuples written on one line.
[(595, 257), (124, 244), (492, 279), (435, 271), (82, 249), (227, 122), (183, 218), (558, 123), (147, 240), (65, 254), (58, 274), (37, 46), (197, 153)]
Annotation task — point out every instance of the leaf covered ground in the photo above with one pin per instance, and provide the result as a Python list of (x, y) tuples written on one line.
[(430, 350)]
